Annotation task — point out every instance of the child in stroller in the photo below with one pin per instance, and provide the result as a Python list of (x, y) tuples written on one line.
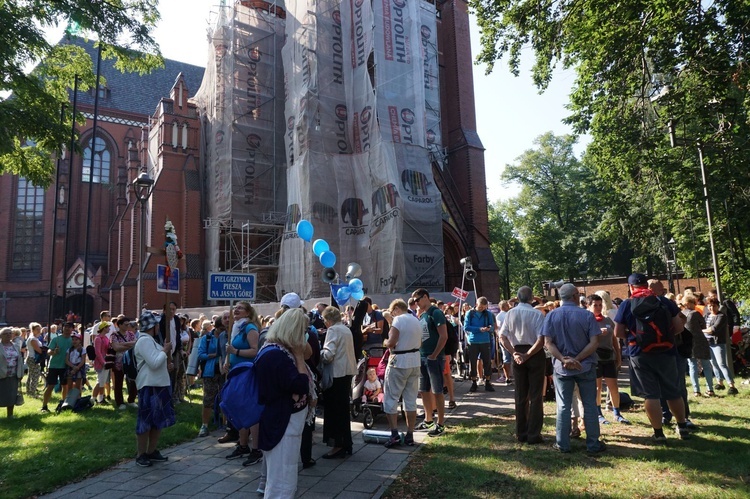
[(372, 406), (373, 388)]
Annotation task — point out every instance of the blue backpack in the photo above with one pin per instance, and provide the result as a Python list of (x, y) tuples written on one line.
[(239, 396)]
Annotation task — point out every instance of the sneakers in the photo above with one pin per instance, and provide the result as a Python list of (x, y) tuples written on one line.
[(254, 457), (621, 419), (44, 410), (560, 449), (409, 440), (659, 439), (720, 387), (600, 447), (133, 405), (424, 426), (122, 407), (239, 451), (143, 461), (230, 436), (603, 420), (690, 425), (732, 390), (452, 404), (156, 457), (473, 386), (393, 441), (203, 431), (488, 387), (683, 433), (502, 380), (436, 431)]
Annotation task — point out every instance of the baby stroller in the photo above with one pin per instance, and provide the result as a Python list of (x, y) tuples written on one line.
[(368, 409), (741, 353)]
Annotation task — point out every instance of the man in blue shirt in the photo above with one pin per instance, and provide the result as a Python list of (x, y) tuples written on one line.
[(571, 335), (656, 371)]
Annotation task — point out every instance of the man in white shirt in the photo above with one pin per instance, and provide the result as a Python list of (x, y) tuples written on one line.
[(520, 335)]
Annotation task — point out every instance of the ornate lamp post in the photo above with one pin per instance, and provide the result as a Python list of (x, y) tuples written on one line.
[(143, 185)]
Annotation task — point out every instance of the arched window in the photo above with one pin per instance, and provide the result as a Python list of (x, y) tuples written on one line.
[(28, 230), (102, 162)]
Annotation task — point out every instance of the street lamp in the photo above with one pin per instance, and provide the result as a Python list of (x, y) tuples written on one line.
[(673, 246), (142, 186)]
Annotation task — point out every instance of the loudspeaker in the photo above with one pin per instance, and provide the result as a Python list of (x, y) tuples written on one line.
[(353, 270), (471, 274), (329, 275)]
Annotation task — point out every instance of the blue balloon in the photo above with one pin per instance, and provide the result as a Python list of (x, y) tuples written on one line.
[(319, 246), (358, 295), (356, 285), (305, 230), (342, 295), (327, 259)]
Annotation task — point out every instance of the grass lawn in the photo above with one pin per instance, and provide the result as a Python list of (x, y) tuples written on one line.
[(40, 452), (482, 459)]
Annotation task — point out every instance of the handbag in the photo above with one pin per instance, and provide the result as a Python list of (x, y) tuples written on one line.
[(326, 377), (110, 358), (19, 399)]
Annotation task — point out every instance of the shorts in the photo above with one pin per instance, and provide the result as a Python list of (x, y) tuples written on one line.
[(102, 377), (507, 356), (56, 375), (155, 410), (400, 382), (211, 387), (606, 370), (75, 376), (657, 375), (431, 379), (447, 368)]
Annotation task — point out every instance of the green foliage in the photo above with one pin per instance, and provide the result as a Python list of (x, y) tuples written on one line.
[(33, 103), (507, 250), (640, 67)]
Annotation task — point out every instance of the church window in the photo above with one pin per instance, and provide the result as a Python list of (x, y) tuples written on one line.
[(102, 160), (28, 227)]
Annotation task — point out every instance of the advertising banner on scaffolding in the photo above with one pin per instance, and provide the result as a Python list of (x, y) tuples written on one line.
[(431, 74)]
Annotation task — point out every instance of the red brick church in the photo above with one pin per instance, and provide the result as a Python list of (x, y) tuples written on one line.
[(44, 275)]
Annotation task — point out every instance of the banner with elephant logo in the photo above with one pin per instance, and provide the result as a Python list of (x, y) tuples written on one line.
[(355, 144)]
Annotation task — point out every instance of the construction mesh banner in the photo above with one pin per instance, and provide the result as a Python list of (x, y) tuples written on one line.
[(241, 103), (356, 143)]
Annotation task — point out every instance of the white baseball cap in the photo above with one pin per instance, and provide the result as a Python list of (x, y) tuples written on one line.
[(291, 300)]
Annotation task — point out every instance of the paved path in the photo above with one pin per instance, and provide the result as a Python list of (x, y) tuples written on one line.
[(198, 469)]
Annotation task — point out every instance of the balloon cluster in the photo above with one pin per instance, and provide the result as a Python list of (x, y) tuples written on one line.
[(327, 258), (320, 247)]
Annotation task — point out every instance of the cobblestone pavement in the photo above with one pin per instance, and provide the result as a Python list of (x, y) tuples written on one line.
[(198, 468)]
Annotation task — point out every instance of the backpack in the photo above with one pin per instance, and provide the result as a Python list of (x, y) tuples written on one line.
[(239, 396), (451, 344), (129, 364), (652, 324)]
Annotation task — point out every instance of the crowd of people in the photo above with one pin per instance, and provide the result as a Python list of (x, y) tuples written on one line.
[(307, 360)]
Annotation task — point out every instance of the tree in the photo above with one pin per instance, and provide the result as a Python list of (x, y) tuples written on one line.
[(32, 127), (644, 68), (507, 249)]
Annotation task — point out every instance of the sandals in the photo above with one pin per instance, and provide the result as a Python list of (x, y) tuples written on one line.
[(710, 394)]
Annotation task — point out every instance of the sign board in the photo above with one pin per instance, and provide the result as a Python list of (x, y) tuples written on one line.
[(231, 286), (460, 294), (167, 286)]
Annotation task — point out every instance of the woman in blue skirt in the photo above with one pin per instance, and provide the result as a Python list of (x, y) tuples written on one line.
[(155, 410)]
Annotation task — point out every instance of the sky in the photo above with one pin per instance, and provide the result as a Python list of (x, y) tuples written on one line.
[(510, 111)]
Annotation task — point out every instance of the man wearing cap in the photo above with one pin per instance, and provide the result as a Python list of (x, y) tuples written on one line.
[(571, 336), (58, 349), (155, 411), (656, 371)]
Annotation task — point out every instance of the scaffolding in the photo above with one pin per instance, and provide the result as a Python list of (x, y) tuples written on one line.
[(241, 102)]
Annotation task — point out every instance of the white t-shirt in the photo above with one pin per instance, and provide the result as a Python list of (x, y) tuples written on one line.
[(372, 386), (409, 338)]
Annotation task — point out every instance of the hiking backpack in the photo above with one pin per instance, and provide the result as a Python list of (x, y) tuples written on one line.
[(239, 396), (652, 324)]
